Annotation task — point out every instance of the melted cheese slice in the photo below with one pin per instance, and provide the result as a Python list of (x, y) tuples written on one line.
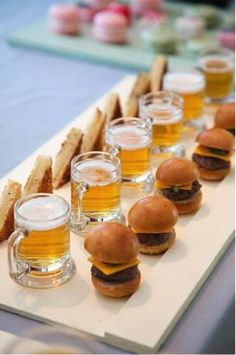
[(109, 269), (161, 185), (204, 151)]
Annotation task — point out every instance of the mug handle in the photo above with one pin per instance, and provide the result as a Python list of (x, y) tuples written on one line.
[(17, 268), (82, 221), (114, 150)]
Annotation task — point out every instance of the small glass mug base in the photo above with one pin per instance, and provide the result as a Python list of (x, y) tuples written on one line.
[(138, 186), (81, 228), (165, 152), (197, 125), (52, 278)]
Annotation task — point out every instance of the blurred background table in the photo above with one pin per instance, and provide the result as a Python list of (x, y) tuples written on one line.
[(40, 94)]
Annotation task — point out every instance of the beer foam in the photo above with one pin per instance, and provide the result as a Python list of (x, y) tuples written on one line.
[(129, 137), (216, 64), (96, 172), (165, 114), (181, 82), (42, 213)]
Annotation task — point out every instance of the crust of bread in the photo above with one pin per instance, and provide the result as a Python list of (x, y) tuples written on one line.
[(92, 137), (112, 111), (113, 107), (69, 149), (141, 85), (157, 249), (10, 194), (213, 175), (40, 179), (158, 69), (117, 289), (131, 108)]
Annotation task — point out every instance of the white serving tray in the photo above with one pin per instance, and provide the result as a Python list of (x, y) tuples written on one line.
[(169, 283)]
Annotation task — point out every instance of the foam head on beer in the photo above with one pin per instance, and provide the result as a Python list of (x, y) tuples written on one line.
[(42, 213), (190, 85)]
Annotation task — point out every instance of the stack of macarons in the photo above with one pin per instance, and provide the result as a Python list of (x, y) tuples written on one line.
[(64, 19), (110, 27)]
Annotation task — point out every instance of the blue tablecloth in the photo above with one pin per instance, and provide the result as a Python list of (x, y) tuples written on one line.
[(39, 94)]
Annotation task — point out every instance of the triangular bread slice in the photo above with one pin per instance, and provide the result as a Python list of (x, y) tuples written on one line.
[(40, 179), (91, 139), (157, 72), (141, 85), (131, 108), (10, 194), (69, 149), (113, 107), (112, 111)]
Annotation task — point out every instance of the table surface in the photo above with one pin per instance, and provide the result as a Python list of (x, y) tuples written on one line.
[(40, 94)]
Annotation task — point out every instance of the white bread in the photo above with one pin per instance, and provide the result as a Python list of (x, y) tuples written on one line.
[(69, 149), (40, 179), (158, 69), (10, 194), (91, 139)]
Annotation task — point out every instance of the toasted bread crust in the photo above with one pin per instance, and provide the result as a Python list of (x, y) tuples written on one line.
[(10, 194), (91, 139), (159, 68), (113, 107), (69, 149), (40, 179), (112, 111), (141, 87), (131, 107)]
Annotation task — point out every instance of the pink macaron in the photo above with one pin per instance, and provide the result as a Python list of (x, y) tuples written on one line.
[(122, 9), (64, 19), (110, 27), (140, 6), (99, 4), (227, 39)]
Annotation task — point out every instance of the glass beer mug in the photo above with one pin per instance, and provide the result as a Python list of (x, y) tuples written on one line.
[(190, 85), (39, 248), (164, 109), (95, 190), (130, 138)]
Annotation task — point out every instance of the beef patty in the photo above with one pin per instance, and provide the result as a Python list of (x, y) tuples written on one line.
[(210, 163), (152, 239), (180, 195), (120, 276)]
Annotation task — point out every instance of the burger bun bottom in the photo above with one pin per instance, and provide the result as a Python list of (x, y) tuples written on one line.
[(213, 175), (189, 205), (119, 289), (157, 249)]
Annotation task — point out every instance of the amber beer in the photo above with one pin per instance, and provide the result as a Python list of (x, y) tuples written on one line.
[(133, 138), (191, 87), (95, 189), (165, 110), (219, 73), (48, 240), (39, 249), (103, 191)]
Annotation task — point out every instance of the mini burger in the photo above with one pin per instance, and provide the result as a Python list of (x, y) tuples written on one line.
[(113, 248), (213, 153), (177, 179), (225, 117), (152, 219)]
